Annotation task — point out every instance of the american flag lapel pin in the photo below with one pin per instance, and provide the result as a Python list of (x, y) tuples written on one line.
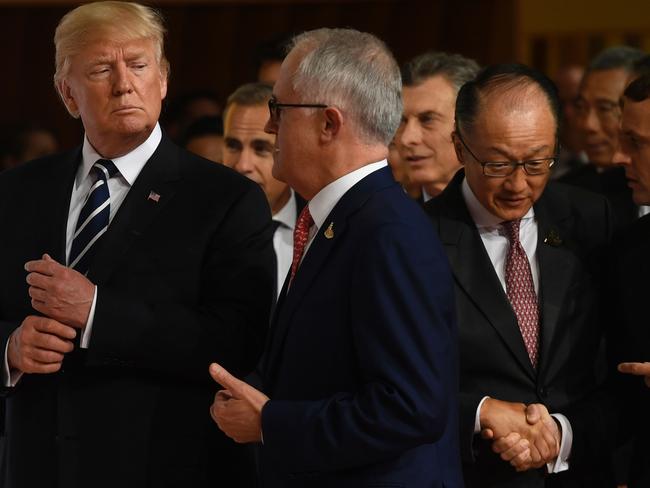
[(154, 197)]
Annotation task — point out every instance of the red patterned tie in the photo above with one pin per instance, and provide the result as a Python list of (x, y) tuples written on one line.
[(300, 235), (521, 290)]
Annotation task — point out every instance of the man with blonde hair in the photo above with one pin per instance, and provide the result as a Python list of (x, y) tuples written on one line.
[(128, 265)]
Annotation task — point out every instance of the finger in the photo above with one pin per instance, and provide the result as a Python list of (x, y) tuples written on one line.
[(37, 294), (223, 396), (42, 267), (44, 356), (53, 327), (47, 257), (53, 343), (637, 369), (39, 280), (533, 414), (37, 367), (487, 434), (521, 447), (522, 461), (236, 386)]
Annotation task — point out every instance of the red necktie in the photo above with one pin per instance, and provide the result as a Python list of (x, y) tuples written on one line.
[(521, 290), (300, 235)]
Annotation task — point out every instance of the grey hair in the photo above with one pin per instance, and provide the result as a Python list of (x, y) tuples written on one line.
[(617, 57), (456, 68), (355, 72)]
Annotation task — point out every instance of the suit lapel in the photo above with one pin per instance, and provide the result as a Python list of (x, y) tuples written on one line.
[(322, 245), (475, 274), (58, 186), (555, 270), (131, 221)]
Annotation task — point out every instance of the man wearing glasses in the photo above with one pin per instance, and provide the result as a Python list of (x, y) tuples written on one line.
[(523, 257), (359, 375)]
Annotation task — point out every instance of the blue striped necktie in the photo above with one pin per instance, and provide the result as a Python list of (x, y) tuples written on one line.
[(94, 217)]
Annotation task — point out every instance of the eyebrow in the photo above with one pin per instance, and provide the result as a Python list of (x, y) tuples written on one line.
[(531, 153)]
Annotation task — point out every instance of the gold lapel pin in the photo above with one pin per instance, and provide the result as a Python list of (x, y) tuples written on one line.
[(329, 232)]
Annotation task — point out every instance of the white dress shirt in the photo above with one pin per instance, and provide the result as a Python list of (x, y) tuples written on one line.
[(496, 244), (129, 166), (283, 238)]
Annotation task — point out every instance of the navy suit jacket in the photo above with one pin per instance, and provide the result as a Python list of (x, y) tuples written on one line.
[(361, 367), (181, 282)]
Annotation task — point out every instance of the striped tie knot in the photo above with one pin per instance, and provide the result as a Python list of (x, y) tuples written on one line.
[(94, 217)]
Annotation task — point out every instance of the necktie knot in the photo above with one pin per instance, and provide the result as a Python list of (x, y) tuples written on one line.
[(104, 169), (511, 228)]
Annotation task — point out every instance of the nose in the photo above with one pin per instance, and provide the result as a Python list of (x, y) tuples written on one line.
[(517, 181), (244, 163), (589, 121), (409, 133), (121, 80), (621, 157)]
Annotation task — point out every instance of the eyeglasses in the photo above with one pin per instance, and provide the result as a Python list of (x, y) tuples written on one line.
[(501, 169), (275, 108)]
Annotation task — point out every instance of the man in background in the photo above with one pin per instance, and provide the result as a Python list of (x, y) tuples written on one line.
[(431, 82), (249, 151)]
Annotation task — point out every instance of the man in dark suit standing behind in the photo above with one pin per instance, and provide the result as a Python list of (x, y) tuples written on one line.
[(144, 264), (630, 284), (525, 260), (361, 364)]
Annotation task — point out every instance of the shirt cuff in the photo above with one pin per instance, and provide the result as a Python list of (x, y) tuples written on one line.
[(85, 334), (477, 418), (561, 463), (9, 378)]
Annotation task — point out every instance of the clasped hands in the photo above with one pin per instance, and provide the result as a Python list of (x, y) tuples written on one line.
[(64, 296), (525, 436)]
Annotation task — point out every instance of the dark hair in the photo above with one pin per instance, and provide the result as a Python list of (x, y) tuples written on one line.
[(639, 89), (204, 126), (617, 57), (642, 66), (248, 95), (458, 69), (502, 77)]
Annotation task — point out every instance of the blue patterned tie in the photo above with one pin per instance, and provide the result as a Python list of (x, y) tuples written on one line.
[(94, 217)]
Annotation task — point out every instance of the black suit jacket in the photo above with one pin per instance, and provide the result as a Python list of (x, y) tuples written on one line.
[(574, 227), (181, 282), (630, 291), (610, 183)]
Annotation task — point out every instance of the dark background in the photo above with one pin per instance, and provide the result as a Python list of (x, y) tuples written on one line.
[(211, 44)]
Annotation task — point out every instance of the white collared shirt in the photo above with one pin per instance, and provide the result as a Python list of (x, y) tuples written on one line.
[(283, 238), (129, 166), (496, 244)]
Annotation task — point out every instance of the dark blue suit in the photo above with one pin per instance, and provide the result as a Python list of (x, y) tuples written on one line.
[(361, 367)]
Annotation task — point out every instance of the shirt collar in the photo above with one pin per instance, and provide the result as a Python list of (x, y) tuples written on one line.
[(480, 215), (288, 213), (325, 200), (128, 165)]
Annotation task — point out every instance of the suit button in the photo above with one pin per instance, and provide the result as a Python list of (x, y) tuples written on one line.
[(542, 392)]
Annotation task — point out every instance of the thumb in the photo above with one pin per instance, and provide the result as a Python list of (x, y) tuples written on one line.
[(228, 381), (47, 257), (533, 415)]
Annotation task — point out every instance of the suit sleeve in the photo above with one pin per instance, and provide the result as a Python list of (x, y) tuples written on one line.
[(226, 322), (402, 326)]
